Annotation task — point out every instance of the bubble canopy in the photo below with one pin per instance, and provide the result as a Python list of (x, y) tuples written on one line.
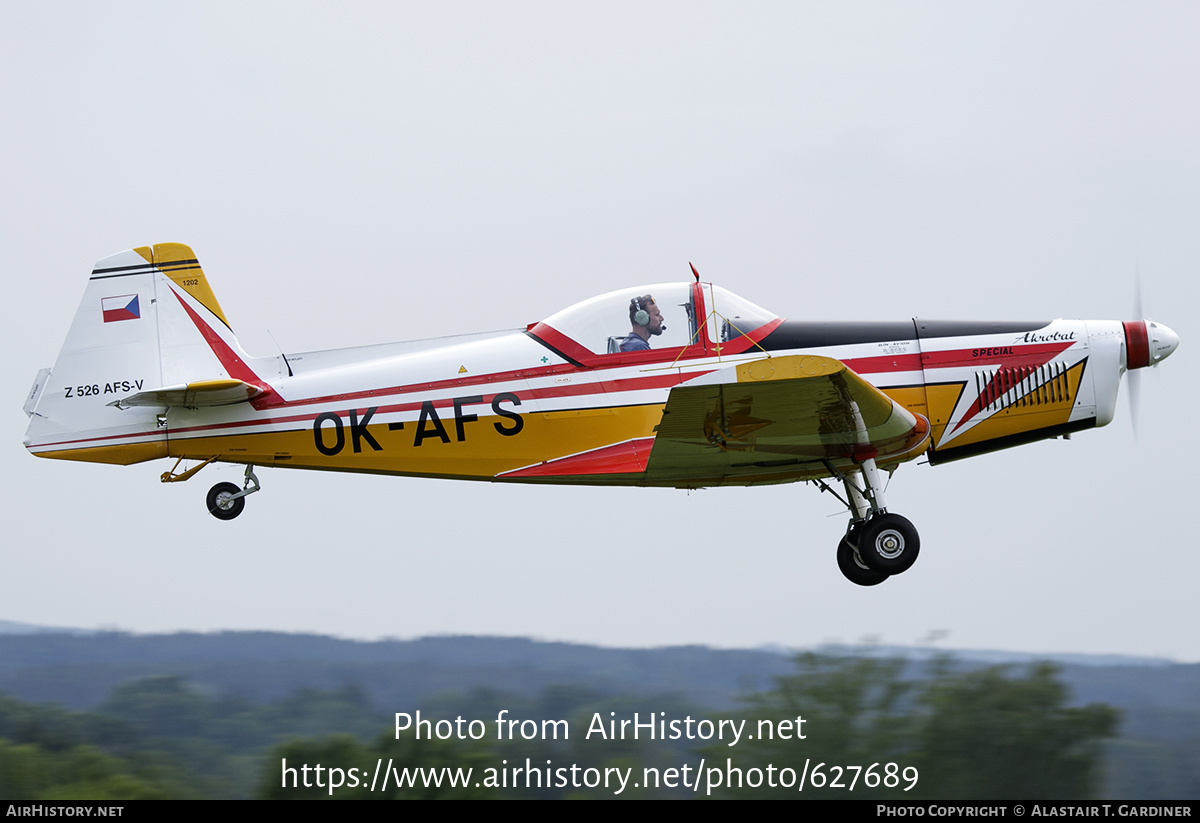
[(691, 314)]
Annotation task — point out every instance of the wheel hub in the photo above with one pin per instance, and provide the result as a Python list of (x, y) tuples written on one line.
[(890, 544)]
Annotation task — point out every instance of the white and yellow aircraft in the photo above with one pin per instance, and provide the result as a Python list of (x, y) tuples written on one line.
[(678, 384)]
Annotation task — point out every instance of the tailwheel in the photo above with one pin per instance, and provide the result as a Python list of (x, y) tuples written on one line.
[(888, 543), (226, 501), (853, 569), (222, 503)]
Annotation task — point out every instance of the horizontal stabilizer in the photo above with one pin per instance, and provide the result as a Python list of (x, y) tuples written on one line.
[(193, 395)]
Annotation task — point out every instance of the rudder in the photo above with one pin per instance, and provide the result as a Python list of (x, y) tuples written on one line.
[(127, 337)]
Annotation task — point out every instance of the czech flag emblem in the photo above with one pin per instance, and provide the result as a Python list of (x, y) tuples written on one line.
[(124, 307)]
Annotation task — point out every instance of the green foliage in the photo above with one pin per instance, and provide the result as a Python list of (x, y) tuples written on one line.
[(986, 734), (990, 733), (29, 772), (151, 732), (856, 710)]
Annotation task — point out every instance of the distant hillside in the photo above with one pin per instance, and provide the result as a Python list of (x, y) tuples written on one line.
[(80, 670), (1157, 753), (11, 627)]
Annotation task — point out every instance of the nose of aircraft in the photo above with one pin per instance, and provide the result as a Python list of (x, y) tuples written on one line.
[(1163, 341), (1148, 343)]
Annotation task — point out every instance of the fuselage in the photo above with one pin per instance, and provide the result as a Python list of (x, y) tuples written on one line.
[(508, 404), (561, 401), (680, 385)]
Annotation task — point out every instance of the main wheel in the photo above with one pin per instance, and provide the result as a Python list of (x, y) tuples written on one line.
[(888, 543), (853, 569), (221, 501)]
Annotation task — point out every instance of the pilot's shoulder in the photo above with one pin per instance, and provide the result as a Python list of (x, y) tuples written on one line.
[(634, 343)]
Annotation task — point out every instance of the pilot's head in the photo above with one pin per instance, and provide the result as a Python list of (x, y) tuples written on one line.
[(644, 315)]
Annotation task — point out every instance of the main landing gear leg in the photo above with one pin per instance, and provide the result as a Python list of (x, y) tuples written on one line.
[(849, 560), (226, 501), (877, 543)]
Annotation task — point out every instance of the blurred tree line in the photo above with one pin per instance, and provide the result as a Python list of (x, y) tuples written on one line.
[(983, 733), (994, 732)]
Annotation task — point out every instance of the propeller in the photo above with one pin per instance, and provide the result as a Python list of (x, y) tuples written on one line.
[(1147, 343), (1135, 375)]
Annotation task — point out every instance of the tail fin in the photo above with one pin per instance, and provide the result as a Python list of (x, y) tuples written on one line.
[(148, 325)]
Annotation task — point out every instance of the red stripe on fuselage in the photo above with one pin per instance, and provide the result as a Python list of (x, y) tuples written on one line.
[(883, 364), (230, 361), (152, 436), (629, 457), (1035, 354), (1001, 382)]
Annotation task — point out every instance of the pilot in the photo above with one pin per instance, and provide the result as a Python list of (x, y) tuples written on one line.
[(647, 321)]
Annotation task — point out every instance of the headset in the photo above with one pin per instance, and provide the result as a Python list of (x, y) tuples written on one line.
[(638, 313)]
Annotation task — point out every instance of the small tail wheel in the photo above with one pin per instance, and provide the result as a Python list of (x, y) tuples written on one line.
[(221, 501), (888, 543)]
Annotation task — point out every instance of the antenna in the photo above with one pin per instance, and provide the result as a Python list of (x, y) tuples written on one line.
[(281, 354), (696, 273)]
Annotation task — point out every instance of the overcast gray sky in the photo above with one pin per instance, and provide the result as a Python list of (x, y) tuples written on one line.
[(362, 172)]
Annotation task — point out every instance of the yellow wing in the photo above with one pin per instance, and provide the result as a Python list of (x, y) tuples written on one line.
[(777, 419)]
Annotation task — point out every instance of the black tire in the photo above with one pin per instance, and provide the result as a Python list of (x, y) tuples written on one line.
[(219, 504), (853, 569), (888, 543)]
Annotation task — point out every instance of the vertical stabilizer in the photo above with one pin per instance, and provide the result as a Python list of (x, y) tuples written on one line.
[(148, 320)]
